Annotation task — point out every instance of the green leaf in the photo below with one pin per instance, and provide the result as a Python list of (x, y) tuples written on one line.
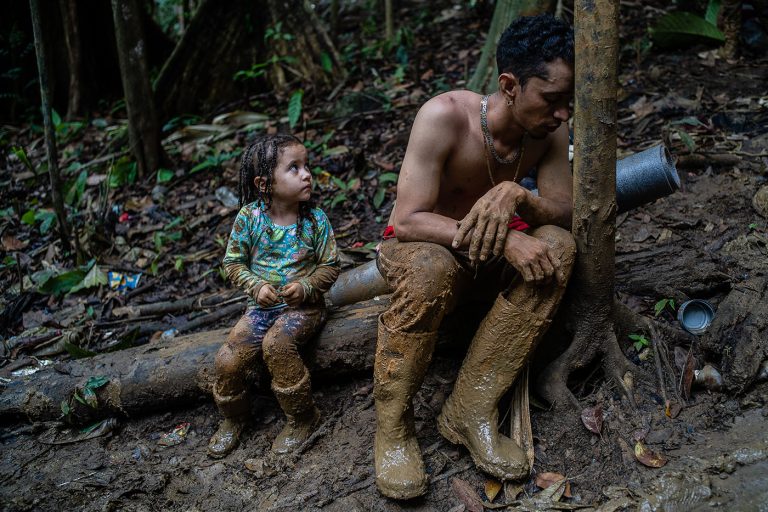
[(179, 263), (28, 218), (338, 198), (65, 408), (55, 119), (294, 107), (94, 277), (62, 283), (687, 140), (76, 189), (378, 198), (90, 398), (681, 28), (713, 9), (326, 63), (164, 175), (663, 303), (21, 154), (78, 353), (388, 177), (47, 219)]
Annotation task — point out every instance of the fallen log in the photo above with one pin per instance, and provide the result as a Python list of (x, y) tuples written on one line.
[(179, 373)]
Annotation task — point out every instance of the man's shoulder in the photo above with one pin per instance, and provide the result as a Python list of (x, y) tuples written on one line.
[(452, 107)]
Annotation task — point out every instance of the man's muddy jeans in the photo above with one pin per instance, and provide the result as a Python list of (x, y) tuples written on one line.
[(428, 280)]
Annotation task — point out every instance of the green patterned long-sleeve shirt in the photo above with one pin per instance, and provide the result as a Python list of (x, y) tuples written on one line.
[(260, 252)]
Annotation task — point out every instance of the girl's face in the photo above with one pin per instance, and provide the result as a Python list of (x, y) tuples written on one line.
[(291, 179)]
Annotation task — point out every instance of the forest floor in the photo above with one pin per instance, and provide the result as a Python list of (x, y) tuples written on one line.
[(704, 241)]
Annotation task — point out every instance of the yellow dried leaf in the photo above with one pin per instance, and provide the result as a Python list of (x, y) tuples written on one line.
[(648, 457), (492, 488)]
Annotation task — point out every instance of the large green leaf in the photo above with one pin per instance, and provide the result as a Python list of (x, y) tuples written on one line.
[(682, 28), (713, 9), (294, 107)]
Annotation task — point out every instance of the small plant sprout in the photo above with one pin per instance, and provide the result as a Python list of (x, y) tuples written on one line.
[(639, 341), (662, 305)]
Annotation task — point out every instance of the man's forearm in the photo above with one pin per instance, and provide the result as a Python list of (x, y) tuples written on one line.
[(540, 211), (426, 227)]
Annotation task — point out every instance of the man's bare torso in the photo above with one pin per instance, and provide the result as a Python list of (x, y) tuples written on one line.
[(465, 172)]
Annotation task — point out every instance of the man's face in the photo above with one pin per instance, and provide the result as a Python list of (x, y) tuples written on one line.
[(545, 103)]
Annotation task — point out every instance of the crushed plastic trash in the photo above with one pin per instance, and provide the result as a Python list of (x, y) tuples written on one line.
[(121, 282), (175, 436), (709, 378), (169, 334), (29, 370), (227, 197)]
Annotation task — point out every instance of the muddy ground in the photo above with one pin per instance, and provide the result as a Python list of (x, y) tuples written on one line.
[(700, 242)]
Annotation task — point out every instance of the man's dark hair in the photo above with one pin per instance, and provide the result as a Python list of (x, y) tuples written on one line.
[(531, 42)]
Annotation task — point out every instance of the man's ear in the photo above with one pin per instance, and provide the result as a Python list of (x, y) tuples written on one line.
[(508, 86), (261, 183)]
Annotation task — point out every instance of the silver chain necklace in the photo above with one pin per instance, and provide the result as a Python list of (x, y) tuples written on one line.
[(489, 139)]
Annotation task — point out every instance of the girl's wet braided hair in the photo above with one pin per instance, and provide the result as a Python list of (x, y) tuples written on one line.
[(259, 161)]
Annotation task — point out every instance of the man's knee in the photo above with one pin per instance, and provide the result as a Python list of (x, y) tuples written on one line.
[(228, 363), (559, 240), (277, 345), (429, 270)]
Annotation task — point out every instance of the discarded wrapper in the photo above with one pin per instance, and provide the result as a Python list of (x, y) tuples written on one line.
[(122, 282), (175, 436)]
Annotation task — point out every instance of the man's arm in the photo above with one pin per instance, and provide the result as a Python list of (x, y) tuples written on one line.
[(435, 127), (554, 204)]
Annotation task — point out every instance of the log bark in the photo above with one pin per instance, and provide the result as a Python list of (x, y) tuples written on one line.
[(484, 78), (179, 373), (737, 340), (161, 376)]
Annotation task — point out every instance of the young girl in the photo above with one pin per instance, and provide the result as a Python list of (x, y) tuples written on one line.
[(282, 253)]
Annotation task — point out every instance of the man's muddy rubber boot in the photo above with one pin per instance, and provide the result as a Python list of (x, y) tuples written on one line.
[(401, 362), (470, 416), (235, 411), (301, 415)]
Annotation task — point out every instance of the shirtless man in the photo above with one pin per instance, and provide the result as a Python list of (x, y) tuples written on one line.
[(457, 233)]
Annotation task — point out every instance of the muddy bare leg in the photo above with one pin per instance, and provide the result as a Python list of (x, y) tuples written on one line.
[(499, 350)]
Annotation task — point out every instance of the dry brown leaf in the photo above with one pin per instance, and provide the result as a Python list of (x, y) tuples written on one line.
[(466, 495), (672, 409), (648, 457), (11, 243), (492, 488), (544, 480), (512, 490), (592, 418)]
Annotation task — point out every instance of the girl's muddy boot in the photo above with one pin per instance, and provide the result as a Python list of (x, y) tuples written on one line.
[(235, 411), (301, 415), (401, 361), (470, 416)]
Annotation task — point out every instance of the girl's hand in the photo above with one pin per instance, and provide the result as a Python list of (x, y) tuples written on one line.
[(267, 296), (293, 294)]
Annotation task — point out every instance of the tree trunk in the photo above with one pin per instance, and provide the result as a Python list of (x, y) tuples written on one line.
[(50, 136), (731, 28), (217, 44), (72, 39), (484, 78), (590, 297), (143, 128)]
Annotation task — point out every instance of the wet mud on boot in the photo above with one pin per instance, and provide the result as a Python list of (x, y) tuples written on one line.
[(235, 411), (302, 417), (401, 361), (494, 360)]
